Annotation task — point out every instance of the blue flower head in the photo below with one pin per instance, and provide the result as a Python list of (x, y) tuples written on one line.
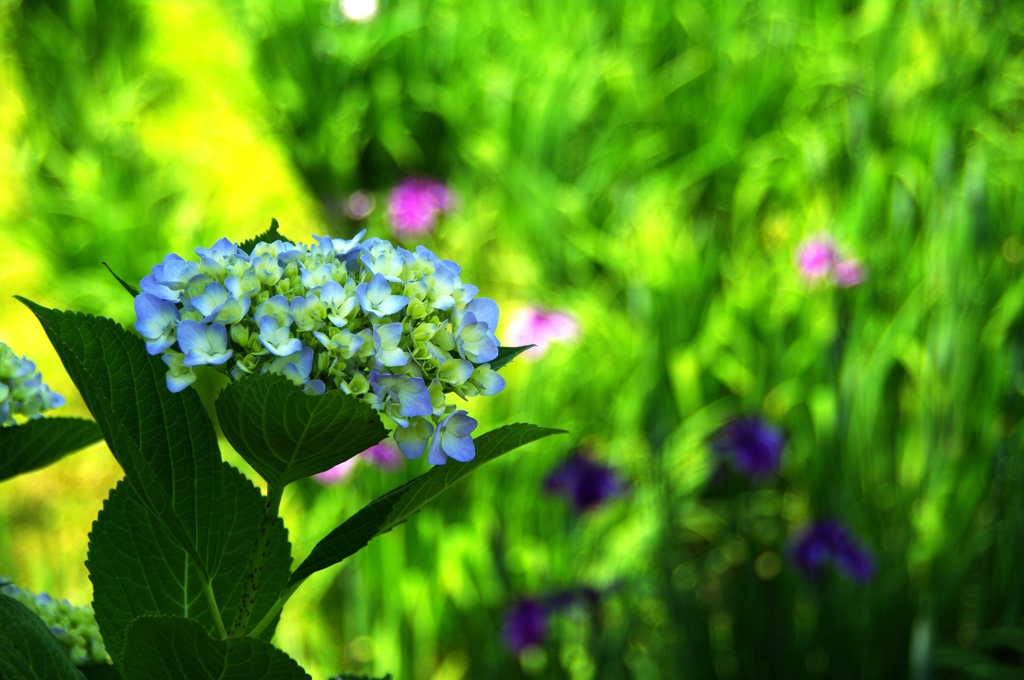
[(397, 329), (22, 391)]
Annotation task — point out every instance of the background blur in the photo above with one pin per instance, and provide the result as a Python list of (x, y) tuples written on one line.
[(650, 168)]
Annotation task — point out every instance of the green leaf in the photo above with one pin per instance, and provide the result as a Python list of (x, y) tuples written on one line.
[(124, 284), (102, 671), (506, 355), (28, 651), (43, 441), (164, 442), (349, 676), (269, 236), (172, 648), (136, 570), (286, 434), (396, 506)]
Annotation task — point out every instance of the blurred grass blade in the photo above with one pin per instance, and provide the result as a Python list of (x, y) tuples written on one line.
[(40, 442), (396, 506)]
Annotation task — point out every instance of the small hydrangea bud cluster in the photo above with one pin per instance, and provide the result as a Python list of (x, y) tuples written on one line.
[(398, 329), (74, 627), (22, 391)]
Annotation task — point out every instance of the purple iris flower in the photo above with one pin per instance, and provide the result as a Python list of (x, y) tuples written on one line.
[(829, 541), (414, 205), (753, 446), (584, 482), (526, 625)]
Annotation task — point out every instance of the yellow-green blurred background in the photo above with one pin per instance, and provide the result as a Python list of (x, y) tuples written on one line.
[(650, 167)]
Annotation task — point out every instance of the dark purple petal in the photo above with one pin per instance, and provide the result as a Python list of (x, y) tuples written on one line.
[(753, 446), (526, 625), (828, 541), (854, 561), (583, 482)]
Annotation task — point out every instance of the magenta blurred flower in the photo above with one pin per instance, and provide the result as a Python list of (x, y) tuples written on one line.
[(584, 482), (384, 456), (829, 541), (816, 258), (536, 326), (359, 205), (849, 273), (414, 205), (526, 625), (337, 474)]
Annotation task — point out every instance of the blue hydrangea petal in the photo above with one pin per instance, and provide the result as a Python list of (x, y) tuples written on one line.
[(412, 440)]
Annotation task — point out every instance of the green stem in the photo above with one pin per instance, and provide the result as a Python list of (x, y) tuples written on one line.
[(211, 601), (275, 610), (254, 574)]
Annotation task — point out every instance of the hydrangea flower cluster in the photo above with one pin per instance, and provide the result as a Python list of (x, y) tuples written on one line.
[(398, 329), (74, 627), (22, 391)]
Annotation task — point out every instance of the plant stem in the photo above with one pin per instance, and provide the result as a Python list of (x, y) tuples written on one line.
[(275, 610), (254, 574), (211, 601)]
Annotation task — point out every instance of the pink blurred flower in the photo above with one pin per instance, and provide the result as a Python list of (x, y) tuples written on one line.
[(816, 258), (337, 474), (384, 456), (359, 205), (536, 326), (849, 273), (414, 205)]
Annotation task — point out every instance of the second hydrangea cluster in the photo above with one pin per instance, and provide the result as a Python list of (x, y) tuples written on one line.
[(22, 391), (398, 329), (74, 627)]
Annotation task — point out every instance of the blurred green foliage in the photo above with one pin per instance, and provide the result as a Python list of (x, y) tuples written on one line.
[(651, 167)]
